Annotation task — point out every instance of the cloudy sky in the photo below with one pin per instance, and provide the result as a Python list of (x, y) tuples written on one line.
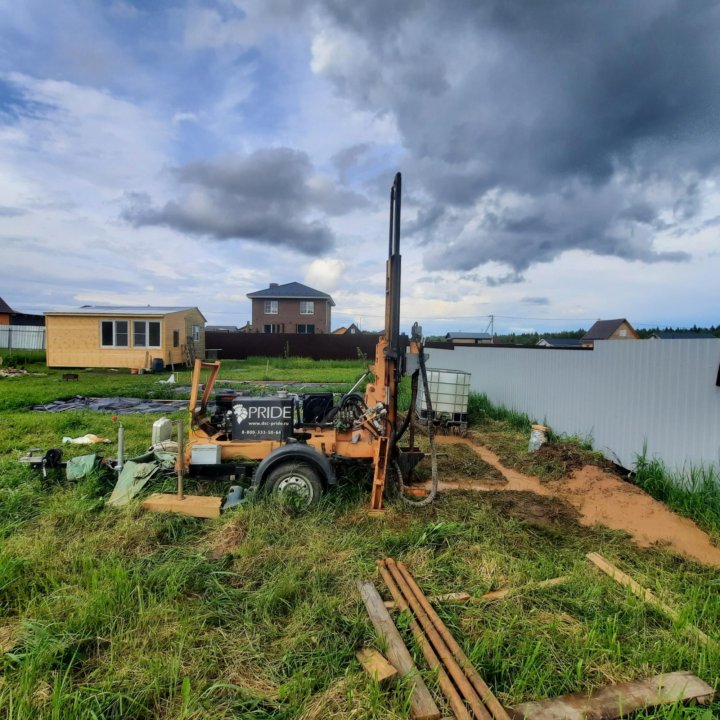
[(560, 159)]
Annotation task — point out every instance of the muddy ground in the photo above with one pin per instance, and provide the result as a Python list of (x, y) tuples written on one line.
[(595, 495)]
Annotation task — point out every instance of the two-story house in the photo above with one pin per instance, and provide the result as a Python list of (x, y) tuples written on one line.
[(291, 308), (619, 329)]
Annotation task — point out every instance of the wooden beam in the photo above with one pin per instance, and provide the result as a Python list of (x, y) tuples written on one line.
[(422, 705), (650, 598), (376, 665), (202, 506), (615, 701)]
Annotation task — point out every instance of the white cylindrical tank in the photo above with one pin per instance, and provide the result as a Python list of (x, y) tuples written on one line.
[(449, 391)]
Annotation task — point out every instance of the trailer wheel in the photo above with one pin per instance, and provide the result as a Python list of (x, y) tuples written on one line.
[(298, 480)]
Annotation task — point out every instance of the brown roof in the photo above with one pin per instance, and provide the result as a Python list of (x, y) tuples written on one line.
[(5, 308), (603, 329)]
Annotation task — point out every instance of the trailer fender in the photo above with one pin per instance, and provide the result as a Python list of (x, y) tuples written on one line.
[(295, 452)]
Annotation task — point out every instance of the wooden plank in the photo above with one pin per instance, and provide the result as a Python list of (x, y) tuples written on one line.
[(376, 665), (422, 705), (614, 701), (202, 506), (650, 598)]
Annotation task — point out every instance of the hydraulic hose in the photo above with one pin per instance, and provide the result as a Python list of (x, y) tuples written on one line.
[(431, 439)]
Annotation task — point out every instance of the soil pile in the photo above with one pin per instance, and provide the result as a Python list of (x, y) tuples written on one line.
[(601, 498)]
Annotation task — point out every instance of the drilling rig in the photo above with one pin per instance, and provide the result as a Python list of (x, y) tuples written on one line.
[(300, 443)]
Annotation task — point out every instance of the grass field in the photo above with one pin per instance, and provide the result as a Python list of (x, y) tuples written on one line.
[(126, 614)]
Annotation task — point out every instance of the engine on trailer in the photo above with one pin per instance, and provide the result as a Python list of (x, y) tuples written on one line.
[(276, 417)]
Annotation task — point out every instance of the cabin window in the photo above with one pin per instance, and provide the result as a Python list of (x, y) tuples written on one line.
[(307, 307), (271, 307), (195, 333), (176, 338), (114, 333), (306, 329), (146, 333)]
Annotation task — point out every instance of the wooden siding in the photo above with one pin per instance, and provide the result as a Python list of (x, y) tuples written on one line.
[(74, 341)]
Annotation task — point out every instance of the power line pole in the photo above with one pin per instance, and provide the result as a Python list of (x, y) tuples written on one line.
[(491, 326)]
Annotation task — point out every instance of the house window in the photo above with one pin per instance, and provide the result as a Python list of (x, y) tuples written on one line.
[(306, 329), (307, 307), (176, 338), (272, 328), (114, 333), (146, 333), (271, 307), (623, 332), (195, 333)]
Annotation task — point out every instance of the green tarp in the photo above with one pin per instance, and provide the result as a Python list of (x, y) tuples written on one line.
[(136, 473), (78, 467)]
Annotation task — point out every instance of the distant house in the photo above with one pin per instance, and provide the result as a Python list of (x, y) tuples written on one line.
[(221, 328), (554, 342), (469, 338), (291, 308), (619, 329), (9, 317), (124, 337), (351, 329), (682, 336), (6, 312)]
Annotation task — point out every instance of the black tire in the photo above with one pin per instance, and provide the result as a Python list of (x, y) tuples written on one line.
[(297, 478)]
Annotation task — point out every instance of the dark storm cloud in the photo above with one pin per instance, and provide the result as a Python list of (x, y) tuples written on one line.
[(270, 197), (550, 100), (511, 278)]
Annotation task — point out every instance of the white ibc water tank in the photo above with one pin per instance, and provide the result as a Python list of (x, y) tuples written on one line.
[(449, 391)]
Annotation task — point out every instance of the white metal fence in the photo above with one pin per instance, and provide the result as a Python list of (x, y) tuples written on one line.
[(624, 396), (22, 337)]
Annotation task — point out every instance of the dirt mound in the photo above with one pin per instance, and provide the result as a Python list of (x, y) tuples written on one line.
[(534, 509), (604, 499), (570, 457)]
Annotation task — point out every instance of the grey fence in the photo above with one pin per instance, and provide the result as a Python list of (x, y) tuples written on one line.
[(661, 396), (22, 337)]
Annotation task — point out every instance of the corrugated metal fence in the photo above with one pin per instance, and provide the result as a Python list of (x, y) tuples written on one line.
[(22, 337), (623, 396)]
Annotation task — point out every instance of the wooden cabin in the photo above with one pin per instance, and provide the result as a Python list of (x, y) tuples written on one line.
[(619, 329), (124, 337)]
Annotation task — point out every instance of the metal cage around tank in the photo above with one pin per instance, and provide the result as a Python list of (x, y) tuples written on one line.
[(449, 392)]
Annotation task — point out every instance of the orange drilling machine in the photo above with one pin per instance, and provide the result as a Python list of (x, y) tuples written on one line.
[(299, 443)]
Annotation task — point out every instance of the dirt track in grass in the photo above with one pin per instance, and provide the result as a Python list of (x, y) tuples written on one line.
[(601, 498)]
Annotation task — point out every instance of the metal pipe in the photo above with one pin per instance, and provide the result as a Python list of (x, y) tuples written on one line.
[(181, 458), (446, 685), (354, 387), (121, 448), (492, 703), (440, 646)]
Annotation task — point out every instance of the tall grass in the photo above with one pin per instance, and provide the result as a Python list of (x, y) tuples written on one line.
[(694, 493), (481, 409), (20, 358)]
